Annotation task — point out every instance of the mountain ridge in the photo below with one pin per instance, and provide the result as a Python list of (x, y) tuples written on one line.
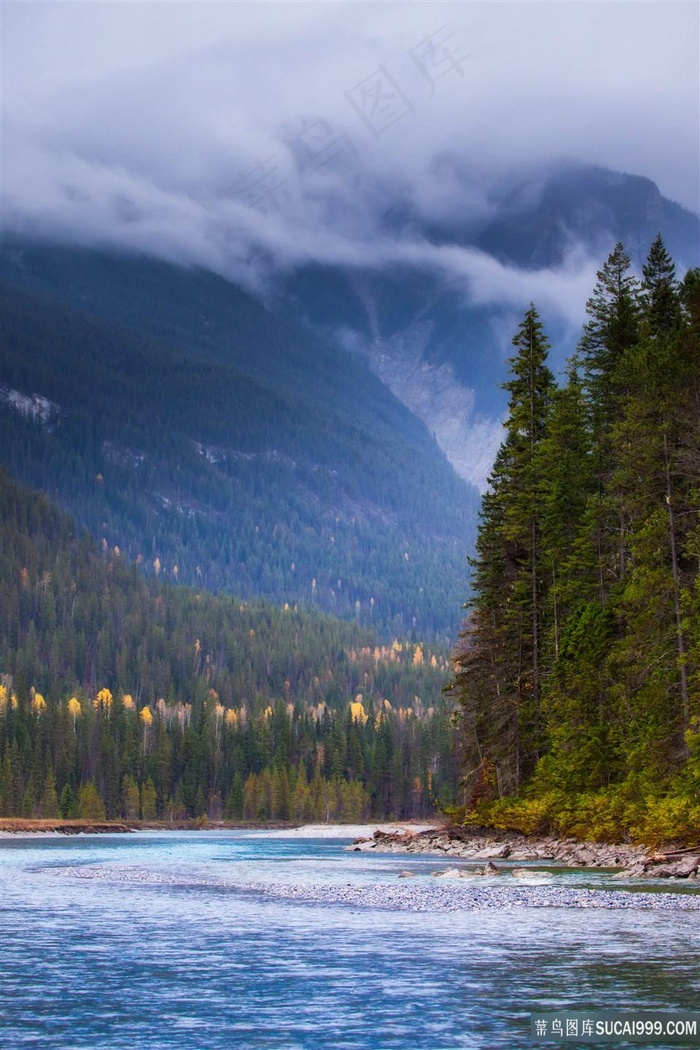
[(410, 317), (295, 444), (330, 494)]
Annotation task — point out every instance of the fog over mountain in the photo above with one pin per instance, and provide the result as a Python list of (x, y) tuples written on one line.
[(406, 146), (241, 135)]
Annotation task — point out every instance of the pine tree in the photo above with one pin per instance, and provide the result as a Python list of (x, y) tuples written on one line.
[(90, 805), (613, 326), (601, 608), (130, 799), (498, 666), (660, 291), (68, 804), (49, 798)]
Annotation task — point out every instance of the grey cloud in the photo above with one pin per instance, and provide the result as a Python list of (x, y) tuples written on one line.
[(228, 134)]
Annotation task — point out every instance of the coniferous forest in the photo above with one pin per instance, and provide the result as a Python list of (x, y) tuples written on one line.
[(578, 667), (123, 696)]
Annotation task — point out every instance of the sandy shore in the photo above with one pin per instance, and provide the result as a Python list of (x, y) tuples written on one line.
[(354, 831)]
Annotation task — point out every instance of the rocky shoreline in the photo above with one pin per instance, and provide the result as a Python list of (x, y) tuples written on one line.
[(483, 844)]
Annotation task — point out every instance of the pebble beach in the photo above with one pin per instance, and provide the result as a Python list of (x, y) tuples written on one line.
[(419, 893)]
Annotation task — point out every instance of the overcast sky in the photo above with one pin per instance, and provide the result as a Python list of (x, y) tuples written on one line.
[(241, 134)]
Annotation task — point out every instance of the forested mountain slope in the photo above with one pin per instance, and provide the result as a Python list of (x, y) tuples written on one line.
[(141, 697), (214, 443)]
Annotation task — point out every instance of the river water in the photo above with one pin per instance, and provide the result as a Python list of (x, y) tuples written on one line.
[(219, 940)]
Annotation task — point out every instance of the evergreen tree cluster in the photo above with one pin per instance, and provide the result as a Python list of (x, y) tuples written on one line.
[(123, 696), (578, 668)]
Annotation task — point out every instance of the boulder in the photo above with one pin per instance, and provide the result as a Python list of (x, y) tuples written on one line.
[(675, 869), (484, 853), (687, 867), (635, 872), (494, 851)]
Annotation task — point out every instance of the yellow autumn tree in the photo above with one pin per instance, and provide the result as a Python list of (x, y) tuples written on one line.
[(74, 709), (103, 700), (38, 704), (357, 710), (146, 717)]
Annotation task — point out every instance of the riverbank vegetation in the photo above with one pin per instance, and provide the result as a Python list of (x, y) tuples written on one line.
[(578, 668)]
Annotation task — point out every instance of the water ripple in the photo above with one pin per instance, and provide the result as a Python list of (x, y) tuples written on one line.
[(195, 942)]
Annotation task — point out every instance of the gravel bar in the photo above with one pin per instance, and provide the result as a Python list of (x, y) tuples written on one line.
[(418, 894), (478, 898)]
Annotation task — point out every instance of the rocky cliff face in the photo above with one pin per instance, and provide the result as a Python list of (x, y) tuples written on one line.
[(434, 394)]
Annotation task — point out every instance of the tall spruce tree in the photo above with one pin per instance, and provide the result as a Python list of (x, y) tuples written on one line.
[(614, 313), (660, 290), (499, 671), (578, 625), (613, 327)]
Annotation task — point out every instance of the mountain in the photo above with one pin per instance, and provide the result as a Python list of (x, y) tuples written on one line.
[(126, 696), (539, 218), (216, 443), (443, 356), (293, 443)]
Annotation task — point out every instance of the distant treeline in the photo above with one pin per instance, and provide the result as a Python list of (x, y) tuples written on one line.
[(123, 696), (579, 662)]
